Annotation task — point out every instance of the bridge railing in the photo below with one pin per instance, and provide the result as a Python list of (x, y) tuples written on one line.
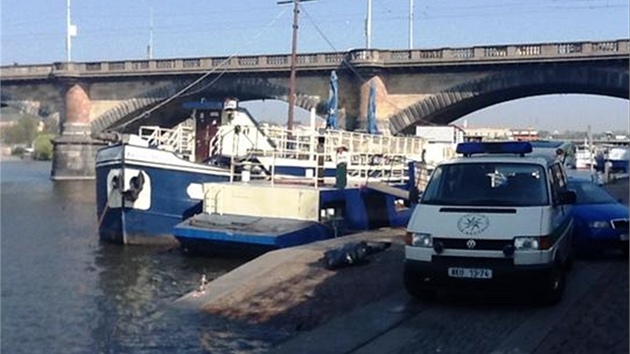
[(508, 52), (324, 61)]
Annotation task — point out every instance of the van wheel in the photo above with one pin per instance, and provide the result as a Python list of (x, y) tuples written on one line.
[(554, 286), (414, 287)]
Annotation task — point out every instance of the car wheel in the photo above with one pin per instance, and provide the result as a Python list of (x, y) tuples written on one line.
[(415, 288), (554, 285)]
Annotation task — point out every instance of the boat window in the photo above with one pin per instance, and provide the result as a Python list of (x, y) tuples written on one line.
[(487, 184)]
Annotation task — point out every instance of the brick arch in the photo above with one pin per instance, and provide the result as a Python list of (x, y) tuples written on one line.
[(245, 89), (457, 101)]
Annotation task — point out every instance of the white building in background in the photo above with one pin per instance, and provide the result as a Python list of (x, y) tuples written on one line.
[(490, 133), (441, 141)]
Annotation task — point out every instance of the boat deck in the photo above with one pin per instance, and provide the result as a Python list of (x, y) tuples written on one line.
[(224, 232)]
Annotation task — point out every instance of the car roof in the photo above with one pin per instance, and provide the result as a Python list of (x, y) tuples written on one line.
[(542, 160)]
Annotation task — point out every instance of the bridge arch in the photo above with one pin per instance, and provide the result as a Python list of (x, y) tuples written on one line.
[(242, 88), (457, 101)]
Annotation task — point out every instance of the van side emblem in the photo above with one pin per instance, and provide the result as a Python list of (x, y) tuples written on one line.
[(473, 224), (471, 244)]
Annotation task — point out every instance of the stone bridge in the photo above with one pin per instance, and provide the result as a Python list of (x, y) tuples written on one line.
[(414, 87)]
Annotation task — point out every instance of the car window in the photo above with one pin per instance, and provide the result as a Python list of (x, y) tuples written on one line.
[(590, 193), (487, 184)]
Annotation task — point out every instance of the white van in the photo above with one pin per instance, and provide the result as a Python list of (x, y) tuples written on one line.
[(498, 215)]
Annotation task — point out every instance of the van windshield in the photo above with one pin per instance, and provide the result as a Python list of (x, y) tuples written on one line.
[(487, 184)]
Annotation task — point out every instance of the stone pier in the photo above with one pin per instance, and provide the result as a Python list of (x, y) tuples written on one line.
[(75, 150)]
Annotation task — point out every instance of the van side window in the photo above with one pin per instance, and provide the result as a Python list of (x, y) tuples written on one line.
[(558, 181)]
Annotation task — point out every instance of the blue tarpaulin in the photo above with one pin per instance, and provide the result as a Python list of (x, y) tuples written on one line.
[(371, 112), (331, 121)]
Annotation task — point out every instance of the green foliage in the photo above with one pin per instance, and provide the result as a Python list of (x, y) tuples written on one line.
[(18, 151), (43, 147), (23, 132)]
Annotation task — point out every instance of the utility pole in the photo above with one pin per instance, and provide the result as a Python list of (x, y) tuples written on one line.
[(410, 24), (368, 25), (296, 11)]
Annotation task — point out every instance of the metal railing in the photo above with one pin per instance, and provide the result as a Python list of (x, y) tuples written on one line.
[(298, 142), (369, 156), (179, 140)]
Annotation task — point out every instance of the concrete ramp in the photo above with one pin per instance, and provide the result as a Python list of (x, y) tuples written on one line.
[(387, 189), (280, 280)]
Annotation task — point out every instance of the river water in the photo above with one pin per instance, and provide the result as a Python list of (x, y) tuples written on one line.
[(63, 291)]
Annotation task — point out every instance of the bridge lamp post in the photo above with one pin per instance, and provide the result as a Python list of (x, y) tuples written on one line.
[(71, 31), (368, 25), (296, 11), (410, 24)]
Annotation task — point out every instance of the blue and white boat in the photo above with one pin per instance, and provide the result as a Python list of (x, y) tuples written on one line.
[(250, 218), (618, 157), (149, 182)]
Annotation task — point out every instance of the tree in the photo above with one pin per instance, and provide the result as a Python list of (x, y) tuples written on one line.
[(23, 131), (43, 147)]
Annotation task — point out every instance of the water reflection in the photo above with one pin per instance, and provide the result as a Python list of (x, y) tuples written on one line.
[(65, 292)]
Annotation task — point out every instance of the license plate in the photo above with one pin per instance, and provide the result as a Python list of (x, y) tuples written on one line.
[(474, 273), (623, 237)]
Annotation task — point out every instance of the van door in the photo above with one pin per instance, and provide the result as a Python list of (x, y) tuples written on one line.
[(561, 213)]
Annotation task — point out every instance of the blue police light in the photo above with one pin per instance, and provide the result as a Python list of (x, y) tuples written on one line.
[(503, 147)]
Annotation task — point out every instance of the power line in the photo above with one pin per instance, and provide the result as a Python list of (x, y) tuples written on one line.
[(194, 83)]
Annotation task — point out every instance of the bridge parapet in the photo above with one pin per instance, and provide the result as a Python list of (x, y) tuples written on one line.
[(524, 52), (25, 71), (325, 61)]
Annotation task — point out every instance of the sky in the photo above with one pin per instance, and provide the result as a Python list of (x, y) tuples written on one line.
[(34, 32)]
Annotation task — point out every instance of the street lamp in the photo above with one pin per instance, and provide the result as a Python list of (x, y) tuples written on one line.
[(71, 31)]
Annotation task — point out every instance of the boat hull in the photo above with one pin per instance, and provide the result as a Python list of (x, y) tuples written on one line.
[(170, 192)]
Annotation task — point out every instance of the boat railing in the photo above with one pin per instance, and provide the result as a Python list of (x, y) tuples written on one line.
[(370, 156), (179, 140), (387, 168), (423, 173), (295, 143)]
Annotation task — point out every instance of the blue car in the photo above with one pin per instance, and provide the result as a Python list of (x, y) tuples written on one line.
[(601, 222)]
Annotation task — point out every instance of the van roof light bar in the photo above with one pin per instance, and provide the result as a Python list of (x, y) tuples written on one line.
[(505, 147)]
